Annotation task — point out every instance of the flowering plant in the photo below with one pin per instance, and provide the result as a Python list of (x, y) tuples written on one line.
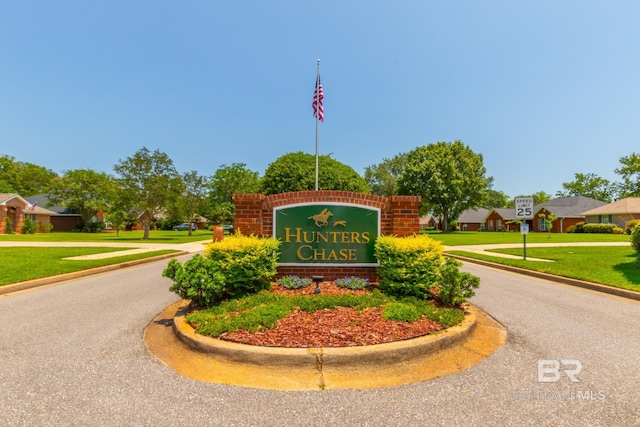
[(352, 282)]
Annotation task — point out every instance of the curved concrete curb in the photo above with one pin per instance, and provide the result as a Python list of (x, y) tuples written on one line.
[(381, 365), (379, 355)]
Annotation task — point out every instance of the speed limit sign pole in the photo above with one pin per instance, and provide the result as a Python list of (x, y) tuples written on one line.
[(524, 211)]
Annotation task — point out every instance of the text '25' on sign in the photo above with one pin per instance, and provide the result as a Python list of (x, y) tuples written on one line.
[(524, 207)]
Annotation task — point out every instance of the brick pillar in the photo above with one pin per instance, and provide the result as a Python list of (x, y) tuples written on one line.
[(249, 219), (405, 216)]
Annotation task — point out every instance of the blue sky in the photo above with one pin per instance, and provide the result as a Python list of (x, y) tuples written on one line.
[(541, 89)]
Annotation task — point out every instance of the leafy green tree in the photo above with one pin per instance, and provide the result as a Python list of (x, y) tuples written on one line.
[(630, 173), (296, 172), (225, 182), (449, 176), (85, 191), (148, 181), (24, 178), (539, 197), (382, 178), (192, 197), (588, 185)]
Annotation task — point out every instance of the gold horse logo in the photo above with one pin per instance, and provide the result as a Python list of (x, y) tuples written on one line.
[(321, 219)]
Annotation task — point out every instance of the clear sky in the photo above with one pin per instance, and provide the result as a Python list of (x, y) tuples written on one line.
[(542, 89)]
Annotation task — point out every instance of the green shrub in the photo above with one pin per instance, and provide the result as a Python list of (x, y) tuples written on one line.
[(198, 279), (232, 268), (293, 282), (456, 287), (409, 266), (28, 227), (44, 227), (400, 312), (617, 230), (630, 225), (415, 267), (635, 239), (7, 226), (571, 229), (352, 282), (599, 228), (248, 262)]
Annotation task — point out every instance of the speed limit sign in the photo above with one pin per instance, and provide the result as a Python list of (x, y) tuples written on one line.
[(524, 207)]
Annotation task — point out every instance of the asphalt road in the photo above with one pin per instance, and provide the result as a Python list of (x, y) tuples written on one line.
[(73, 355)]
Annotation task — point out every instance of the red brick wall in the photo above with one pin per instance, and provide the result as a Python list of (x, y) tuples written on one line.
[(398, 216)]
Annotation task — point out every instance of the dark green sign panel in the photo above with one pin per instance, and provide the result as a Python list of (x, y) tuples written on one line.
[(327, 234)]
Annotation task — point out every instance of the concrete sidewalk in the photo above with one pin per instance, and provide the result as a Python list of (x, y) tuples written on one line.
[(486, 249), (132, 248)]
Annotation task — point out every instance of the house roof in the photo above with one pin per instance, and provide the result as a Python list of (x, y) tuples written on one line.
[(5, 197), (507, 214), (630, 205), (42, 200), (473, 215), (569, 207)]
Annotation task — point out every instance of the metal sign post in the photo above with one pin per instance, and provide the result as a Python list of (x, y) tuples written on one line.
[(524, 211), (524, 230)]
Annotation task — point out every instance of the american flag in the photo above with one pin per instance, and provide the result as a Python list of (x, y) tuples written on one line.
[(318, 96)]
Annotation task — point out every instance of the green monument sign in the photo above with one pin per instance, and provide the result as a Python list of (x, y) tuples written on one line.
[(327, 234)]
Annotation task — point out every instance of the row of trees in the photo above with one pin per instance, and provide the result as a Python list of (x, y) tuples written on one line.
[(449, 176)]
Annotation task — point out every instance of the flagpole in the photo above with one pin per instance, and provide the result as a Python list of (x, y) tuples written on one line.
[(317, 120)]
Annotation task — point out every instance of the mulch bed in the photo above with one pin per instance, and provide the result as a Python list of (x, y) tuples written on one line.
[(339, 327)]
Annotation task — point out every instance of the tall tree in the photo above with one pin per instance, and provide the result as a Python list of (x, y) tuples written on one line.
[(588, 185), (630, 173), (148, 180), (192, 197), (225, 182), (296, 172), (24, 178), (85, 191), (382, 178), (449, 176), (538, 197)]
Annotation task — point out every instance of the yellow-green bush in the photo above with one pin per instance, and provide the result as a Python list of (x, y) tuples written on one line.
[(415, 266), (234, 267)]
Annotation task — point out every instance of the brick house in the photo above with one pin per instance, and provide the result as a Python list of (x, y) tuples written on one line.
[(17, 209), (568, 210), (498, 220), (473, 219)]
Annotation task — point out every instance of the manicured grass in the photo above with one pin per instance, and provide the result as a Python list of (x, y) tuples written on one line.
[(487, 237), (263, 310), (20, 264), (609, 265), (160, 236)]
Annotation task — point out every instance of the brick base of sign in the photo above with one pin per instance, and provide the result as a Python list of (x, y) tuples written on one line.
[(398, 217)]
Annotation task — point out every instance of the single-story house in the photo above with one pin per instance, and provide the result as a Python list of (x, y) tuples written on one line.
[(473, 219), (63, 218), (568, 210), (428, 222), (498, 220), (618, 212), (17, 209)]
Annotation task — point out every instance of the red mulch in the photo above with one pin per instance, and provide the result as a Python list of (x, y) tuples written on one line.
[(339, 327)]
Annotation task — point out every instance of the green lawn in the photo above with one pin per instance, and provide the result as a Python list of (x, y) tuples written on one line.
[(20, 264), (613, 266), (160, 236), (485, 238)]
